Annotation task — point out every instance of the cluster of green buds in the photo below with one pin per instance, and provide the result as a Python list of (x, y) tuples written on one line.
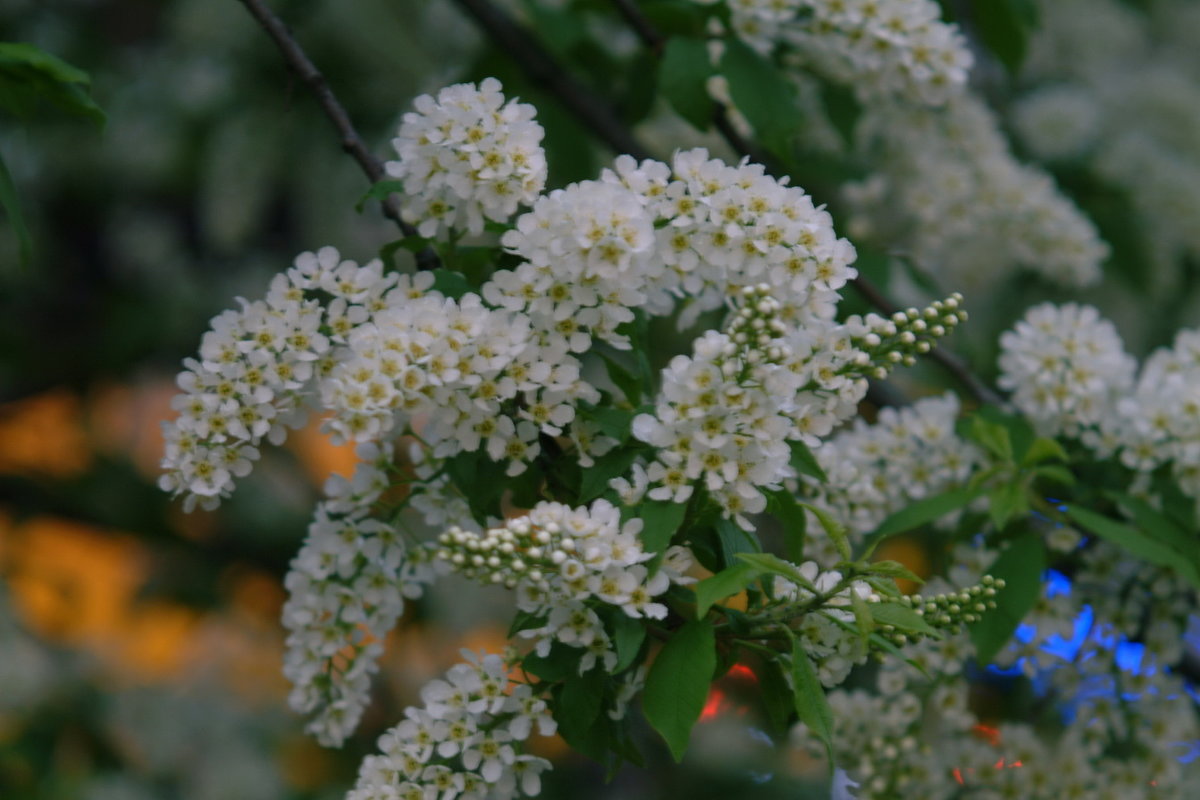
[(898, 340), (756, 328), (505, 555), (950, 611)]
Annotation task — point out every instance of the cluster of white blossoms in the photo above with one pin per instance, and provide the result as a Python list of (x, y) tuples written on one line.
[(464, 742), (720, 228), (588, 252), (951, 194), (1072, 376), (561, 560), (725, 414), (346, 590), (478, 377), (1116, 93), (1066, 367), (882, 48), (917, 736), (257, 366), (467, 156)]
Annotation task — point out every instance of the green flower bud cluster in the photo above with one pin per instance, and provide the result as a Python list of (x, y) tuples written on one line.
[(899, 339), (951, 610)]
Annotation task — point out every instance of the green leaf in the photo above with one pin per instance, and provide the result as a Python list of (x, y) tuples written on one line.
[(1008, 502), (608, 466), (724, 584), (776, 694), (842, 108), (379, 191), (774, 565), (808, 696), (31, 78), (993, 437), (450, 283), (1043, 449), (675, 16), (577, 713), (628, 635), (1056, 473), (764, 96), (614, 422), (902, 618), (805, 463), (1137, 543), (12, 207), (1004, 27), (929, 509), (783, 505), (623, 379), (678, 683), (559, 664), (1021, 567), (660, 520), (836, 530), (683, 75), (862, 617), (733, 540), (1156, 524), (893, 569)]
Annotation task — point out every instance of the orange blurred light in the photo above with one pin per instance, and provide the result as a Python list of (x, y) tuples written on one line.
[(43, 435)]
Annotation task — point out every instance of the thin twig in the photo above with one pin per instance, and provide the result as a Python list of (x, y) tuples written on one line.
[(352, 143)]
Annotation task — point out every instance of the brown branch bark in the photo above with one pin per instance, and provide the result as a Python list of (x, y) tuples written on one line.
[(352, 143)]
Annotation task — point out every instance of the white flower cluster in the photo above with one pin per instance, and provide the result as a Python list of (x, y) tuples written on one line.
[(917, 737), (1066, 367), (893, 48), (346, 590), (876, 469), (257, 366), (950, 192), (1159, 422), (721, 228), (724, 415), (833, 648), (467, 156), (560, 560), (1116, 93), (465, 368), (464, 743), (1071, 375), (588, 253)]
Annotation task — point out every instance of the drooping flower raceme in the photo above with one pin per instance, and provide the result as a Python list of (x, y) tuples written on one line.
[(257, 367), (466, 157), (950, 191), (880, 48)]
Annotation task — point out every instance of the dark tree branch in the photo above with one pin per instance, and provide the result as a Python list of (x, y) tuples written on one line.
[(352, 143), (544, 71)]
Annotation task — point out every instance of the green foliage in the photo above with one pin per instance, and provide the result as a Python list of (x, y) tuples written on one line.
[(683, 72), (32, 79), (677, 684), (660, 520), (725, 583), (1140, 542), (1005, 26), (763, 95), (1020, 567), (809, 699)]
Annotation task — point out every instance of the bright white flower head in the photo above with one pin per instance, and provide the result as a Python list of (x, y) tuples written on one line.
[(1066, 367), (466, 157)]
